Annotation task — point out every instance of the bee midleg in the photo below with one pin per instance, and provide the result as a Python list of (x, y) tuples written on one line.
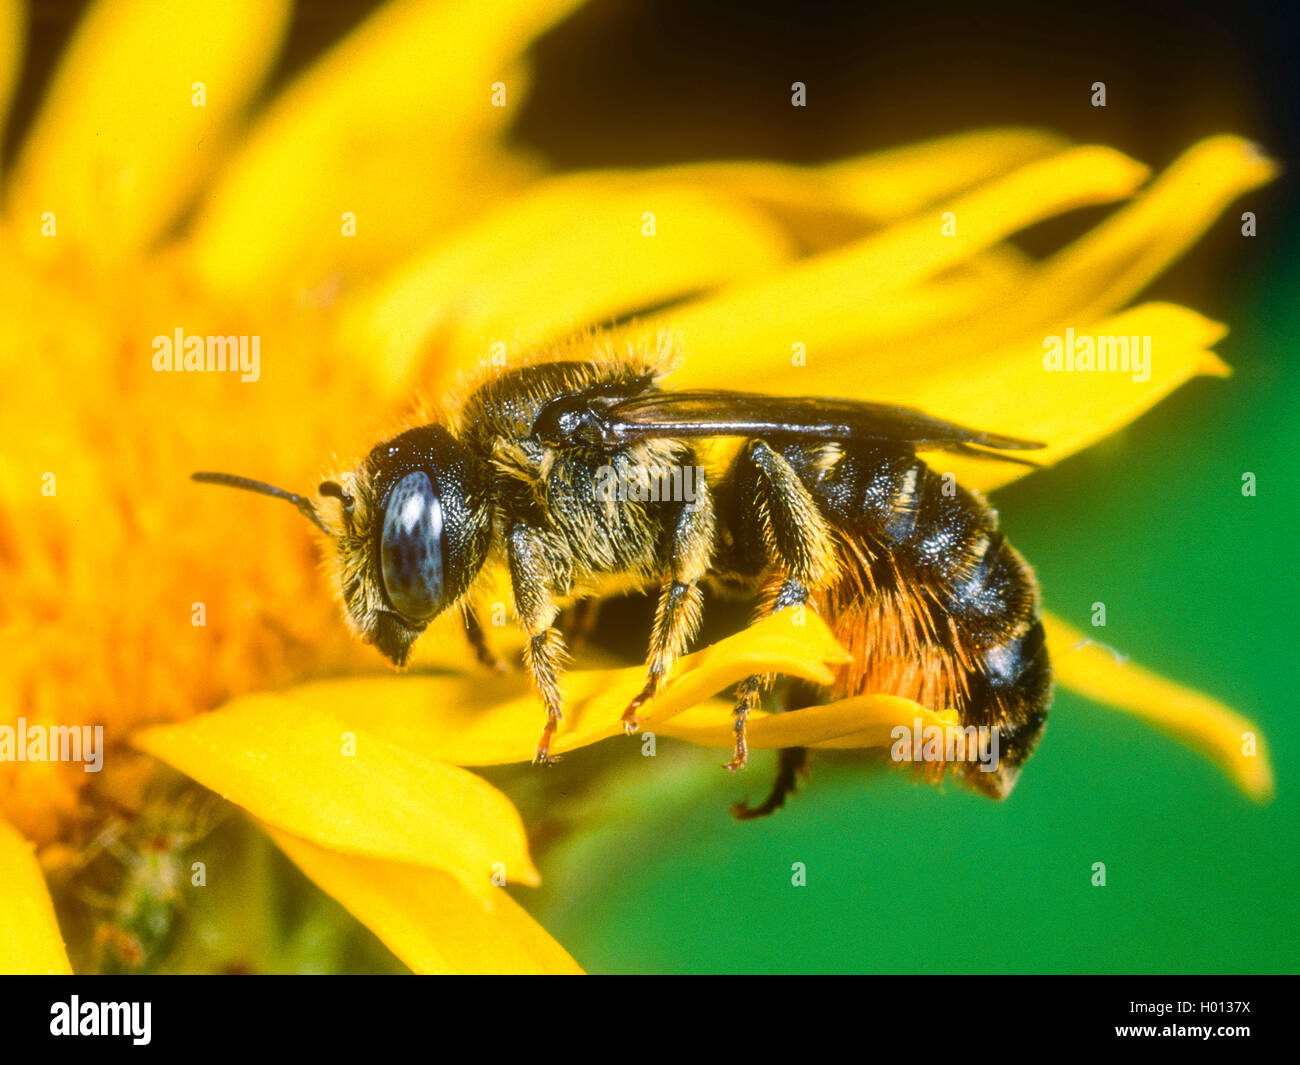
[(677, 615), (580, 621), (802, 550), (531, 578), (791, 766)]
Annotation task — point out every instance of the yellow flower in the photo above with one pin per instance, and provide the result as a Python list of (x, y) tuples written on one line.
[(110, 560), (132, 212)]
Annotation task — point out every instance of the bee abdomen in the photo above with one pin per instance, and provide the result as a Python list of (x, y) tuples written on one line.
[(956, 554), (982, 584), (933, 602), (1012, 690)]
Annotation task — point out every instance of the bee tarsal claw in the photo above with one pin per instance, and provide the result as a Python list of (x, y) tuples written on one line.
[(543, 754), (632, 723)]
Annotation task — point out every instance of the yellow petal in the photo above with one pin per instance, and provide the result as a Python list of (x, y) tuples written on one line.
[(882, 185), (899, 181), (1011, 392), (568, 252), (1080, 665), (822, 206), (823, 302), (427, 918), (394, 126), (119, 146), (288, 765), (965, 316), (1102, 269), (484, 719), (859, 721), (1115, 260), (1188, 716), (912, 328), (573, 251), (30, 941), (13, 33)]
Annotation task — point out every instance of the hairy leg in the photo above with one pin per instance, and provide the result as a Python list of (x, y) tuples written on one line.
[(531, 578), (677, 616), (801, 549)]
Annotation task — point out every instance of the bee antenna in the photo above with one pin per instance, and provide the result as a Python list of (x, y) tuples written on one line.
[(230, 480)]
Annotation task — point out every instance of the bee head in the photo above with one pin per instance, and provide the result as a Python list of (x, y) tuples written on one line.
[(411, 534), (411, 531)]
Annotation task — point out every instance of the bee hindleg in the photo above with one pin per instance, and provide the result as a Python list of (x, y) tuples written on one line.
[(791, 764), (677, 616), (802, 551), (748, 696), (749, 693)]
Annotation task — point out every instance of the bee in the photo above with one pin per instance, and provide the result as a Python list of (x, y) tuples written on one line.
[(824, 505)]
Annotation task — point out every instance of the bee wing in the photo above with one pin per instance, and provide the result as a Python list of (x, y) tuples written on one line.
[(713, 413)]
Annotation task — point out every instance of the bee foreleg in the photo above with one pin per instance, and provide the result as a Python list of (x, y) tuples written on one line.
[(802, 550), (677, 616), (531, 578), (478, 640), (544, 656)]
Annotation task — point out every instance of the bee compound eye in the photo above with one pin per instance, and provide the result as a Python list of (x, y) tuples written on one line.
[(410, 548)]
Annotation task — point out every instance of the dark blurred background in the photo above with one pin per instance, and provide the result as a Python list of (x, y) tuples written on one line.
[(649, 82)]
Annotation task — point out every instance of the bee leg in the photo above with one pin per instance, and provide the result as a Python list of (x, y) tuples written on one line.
[(792, 763), (677, 616), (580, 622), (748, 696), (676, 620), (531, 578), (802, 549), (478, 640), (543, 654)]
